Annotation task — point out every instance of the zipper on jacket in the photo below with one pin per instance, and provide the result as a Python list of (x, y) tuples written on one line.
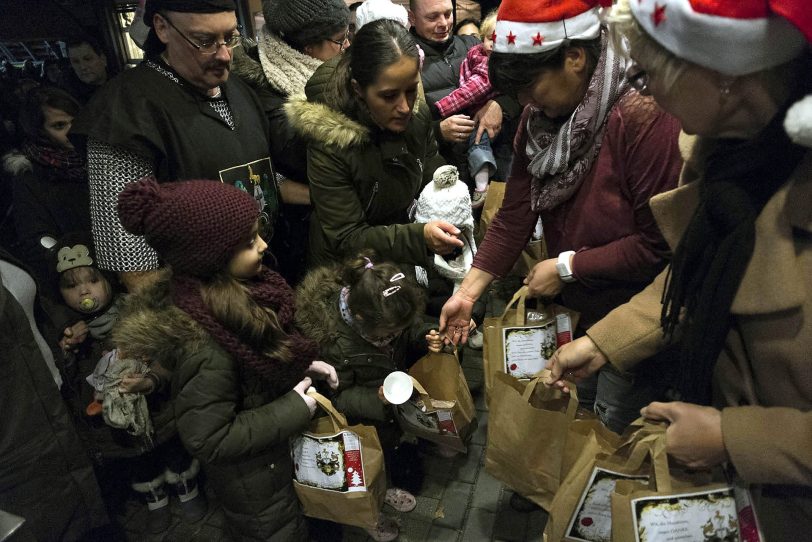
[(372, 197)]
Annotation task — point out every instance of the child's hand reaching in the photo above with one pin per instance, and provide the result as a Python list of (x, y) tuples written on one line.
[(137, 383), (382, 397), (323, 371), (301, 388), (435, 341), (73, 336)]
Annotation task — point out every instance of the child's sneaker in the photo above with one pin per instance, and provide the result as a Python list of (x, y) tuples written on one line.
[(475, 340), (478, 198), (385, 531), (400, 499)]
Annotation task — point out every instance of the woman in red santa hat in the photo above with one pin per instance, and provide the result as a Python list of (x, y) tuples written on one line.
[(589, 154), (739, 288)]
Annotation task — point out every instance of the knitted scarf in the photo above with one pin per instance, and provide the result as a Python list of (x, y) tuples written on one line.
[(286, 69), (269, 290), (740, 176), (68, 165), (561, 157)]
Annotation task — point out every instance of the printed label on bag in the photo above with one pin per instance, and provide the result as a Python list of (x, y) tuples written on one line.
[(703, 516), (563, 332), (528, 349), (592, 520), (333, 462), (439, 421)]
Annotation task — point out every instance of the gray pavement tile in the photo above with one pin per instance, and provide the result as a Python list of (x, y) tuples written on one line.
[(487, 491), (510, 525), (425, 509), (412, 530), (455, 505), (480, 436), (438, 533), (433, 487), (466, 471), (355, 534), (440, 467), (479, 525)]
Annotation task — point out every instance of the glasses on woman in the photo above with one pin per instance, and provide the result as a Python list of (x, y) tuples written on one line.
[(343, 43), (637, 77), (209, 47)]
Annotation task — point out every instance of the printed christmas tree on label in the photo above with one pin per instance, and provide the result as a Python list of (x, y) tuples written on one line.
[(332, 463)]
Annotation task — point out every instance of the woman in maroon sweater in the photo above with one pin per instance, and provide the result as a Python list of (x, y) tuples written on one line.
[(589, 154)]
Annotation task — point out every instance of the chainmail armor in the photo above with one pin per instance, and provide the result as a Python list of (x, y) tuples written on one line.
[(110, 169)]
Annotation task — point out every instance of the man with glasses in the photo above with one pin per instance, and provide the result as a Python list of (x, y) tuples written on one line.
[(178, 115)]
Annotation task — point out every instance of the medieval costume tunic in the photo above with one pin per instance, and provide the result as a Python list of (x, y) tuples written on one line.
[(150, 121)]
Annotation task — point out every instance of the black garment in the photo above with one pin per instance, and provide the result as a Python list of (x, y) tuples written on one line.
[(156, 114), (46, 477), (45, 206), (441, 67)]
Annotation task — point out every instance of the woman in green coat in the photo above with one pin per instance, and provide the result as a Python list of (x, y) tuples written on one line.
[(371, 149)]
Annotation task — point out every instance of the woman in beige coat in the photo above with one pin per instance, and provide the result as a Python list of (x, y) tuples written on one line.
[(739, 289)]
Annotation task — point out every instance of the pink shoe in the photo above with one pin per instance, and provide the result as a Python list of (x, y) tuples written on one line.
[(385, 531), (400, 499)]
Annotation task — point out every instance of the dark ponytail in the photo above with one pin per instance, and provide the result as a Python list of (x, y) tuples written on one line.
[(380, 301), (375, 47)]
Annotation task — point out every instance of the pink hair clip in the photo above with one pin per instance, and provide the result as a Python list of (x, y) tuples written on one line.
[(368, 265)]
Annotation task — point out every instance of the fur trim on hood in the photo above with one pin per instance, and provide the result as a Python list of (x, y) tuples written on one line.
[(16, 163), (151, 327), (319, 122), (316, 299)]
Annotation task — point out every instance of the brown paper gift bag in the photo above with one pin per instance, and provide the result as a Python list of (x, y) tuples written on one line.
[(679, 504), (449, 417), (582, 508), (551, 327), (534, 252), (339, 469)]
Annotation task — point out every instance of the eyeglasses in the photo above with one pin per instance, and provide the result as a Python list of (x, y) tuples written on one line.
[(209, 47), (341, 43), (637, 77)]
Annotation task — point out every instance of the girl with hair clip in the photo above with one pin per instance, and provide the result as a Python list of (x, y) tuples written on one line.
[(220, 327), (367, 318)]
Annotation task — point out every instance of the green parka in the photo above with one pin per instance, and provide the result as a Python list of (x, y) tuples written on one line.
[(361, 366), (363, 180), (230, 422)]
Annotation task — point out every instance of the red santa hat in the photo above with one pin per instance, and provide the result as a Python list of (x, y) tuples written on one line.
[(733, 37), (531, 26)]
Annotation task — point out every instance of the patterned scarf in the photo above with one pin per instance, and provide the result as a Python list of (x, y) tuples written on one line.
[(286, 69), (346, 315), (66, 164), (560, 158), (268, 290)]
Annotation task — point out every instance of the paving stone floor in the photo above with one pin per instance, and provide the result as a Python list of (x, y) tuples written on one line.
[(459, 501)]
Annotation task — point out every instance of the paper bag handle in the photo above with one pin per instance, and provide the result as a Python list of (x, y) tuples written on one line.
[(541, 376), (338, 419), (653, 445), (519, 299)]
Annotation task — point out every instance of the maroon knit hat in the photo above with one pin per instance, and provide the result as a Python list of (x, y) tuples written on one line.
[(195, 226)]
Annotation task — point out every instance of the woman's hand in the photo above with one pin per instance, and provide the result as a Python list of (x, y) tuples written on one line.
[(434, 341), (544, 280), (301, 388), (574, 361), (73, 336), (455, 318), (136, 383), (441, 237), (321, 370), (694, 434), (456, 128)]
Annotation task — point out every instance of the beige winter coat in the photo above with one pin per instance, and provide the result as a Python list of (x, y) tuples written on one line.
[(763, 379)]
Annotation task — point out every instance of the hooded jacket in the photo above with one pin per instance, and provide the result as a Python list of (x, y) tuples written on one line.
[(230, 422), (361, 366), (363, 179)]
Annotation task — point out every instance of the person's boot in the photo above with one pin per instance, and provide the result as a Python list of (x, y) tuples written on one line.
[(154, 494), (193, 504)]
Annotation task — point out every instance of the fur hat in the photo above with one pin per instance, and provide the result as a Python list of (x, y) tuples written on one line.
[(195, 226), (372, 10), (302, 22)]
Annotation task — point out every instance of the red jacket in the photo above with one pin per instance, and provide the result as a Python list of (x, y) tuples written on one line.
[(475, 87), (619, 248)]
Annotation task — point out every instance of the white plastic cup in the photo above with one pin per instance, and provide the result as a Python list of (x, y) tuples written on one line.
[(398, 387)]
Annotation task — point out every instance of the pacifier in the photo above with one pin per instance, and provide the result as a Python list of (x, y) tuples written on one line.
[(88, 304)]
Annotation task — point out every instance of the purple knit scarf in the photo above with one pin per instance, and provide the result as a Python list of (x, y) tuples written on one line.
[(269, 290)]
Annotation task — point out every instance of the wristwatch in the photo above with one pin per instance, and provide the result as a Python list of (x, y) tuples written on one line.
[(563, 266)]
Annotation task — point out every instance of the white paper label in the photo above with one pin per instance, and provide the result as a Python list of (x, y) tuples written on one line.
[(707, 515), (333, 462), (528, 349)]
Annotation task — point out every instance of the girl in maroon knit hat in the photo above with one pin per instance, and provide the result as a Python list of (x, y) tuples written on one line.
[(222, 326)]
